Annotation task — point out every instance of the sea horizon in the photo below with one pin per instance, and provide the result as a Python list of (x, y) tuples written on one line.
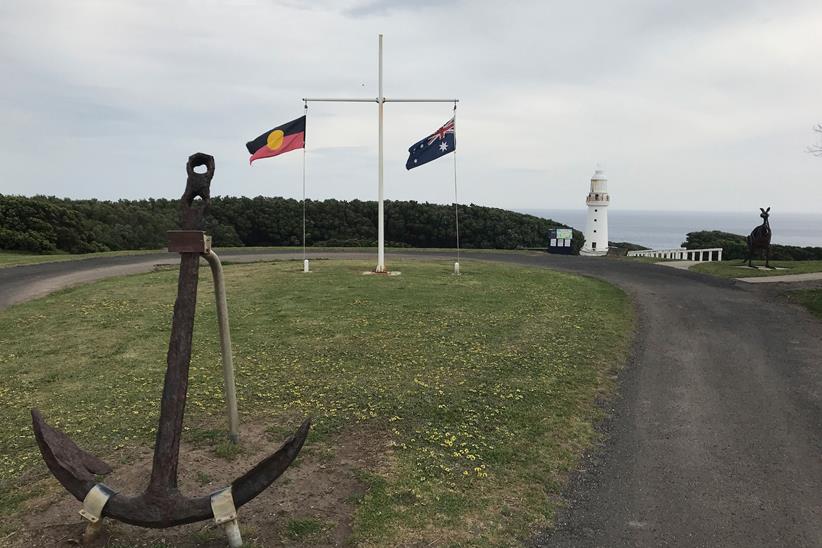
[(665, 229)]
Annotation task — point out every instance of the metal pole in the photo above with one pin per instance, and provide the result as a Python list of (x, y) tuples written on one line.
[(305, 260), (456, 196), (232, 531), (225, 346), (380, 208)]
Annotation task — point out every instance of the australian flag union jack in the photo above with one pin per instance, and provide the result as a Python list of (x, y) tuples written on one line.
[(439, 143)]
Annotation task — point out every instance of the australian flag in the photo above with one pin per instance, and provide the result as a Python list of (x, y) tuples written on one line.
[(439, 143)]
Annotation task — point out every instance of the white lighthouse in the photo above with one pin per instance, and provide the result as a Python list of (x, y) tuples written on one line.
[(596, 227)]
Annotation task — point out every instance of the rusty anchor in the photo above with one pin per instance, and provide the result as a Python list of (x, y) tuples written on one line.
[(161, 504)]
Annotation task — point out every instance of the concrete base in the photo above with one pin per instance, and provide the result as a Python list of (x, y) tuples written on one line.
[(684, 265), (762, 267), (784, 278), (591, 253)]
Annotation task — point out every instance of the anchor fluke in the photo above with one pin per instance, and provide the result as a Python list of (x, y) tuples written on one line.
[(254, 482), (74, 467)]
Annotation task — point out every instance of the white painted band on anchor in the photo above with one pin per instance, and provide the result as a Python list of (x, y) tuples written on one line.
[(95, 501), (225, 514), (222, 505)]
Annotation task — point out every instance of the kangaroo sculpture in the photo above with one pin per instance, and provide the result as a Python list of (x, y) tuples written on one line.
[(760, 238)]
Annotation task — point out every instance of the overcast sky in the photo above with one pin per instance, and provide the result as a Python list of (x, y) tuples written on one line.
[(693, 105)]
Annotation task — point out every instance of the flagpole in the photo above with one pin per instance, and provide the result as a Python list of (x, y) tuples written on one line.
[(456, 196), (305, 113), (380, 100), (380, 193)]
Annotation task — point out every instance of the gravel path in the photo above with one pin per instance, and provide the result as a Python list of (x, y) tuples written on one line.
[(716, 437)]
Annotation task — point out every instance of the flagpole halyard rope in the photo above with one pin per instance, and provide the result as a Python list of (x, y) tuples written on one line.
[(456, 196), (305, 112)]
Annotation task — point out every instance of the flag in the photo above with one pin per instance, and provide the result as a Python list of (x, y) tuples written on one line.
[(439, 143), (289, 136)]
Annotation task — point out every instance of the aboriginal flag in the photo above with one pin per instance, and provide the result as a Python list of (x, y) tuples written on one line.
[(289, 136)]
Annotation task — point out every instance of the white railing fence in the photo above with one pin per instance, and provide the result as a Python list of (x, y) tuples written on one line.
[(681, 254)]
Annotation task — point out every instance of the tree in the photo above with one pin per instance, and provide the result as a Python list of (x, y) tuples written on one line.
[(49, 224)]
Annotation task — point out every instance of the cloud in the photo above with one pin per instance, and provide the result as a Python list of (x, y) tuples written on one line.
[(692, 105), (388, 7)]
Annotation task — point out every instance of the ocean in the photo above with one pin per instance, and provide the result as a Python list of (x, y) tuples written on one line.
[(665, 229)]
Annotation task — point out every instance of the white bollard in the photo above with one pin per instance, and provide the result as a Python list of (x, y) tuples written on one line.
[(305, 266), (225, 514), (232, 531), (457, 269)]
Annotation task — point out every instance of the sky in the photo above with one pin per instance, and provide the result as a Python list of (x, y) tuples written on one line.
[(698, 105)]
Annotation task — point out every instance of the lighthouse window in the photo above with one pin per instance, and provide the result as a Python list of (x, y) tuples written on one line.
[(595, 230), (596, 210), (596, 196), (595, 220)]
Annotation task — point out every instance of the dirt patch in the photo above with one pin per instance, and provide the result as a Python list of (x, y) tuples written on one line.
[(312, 504)]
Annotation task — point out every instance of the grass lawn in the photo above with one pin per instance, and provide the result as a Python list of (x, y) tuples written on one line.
[(15, 258), (730, 269), (475, 394), (809, 298)]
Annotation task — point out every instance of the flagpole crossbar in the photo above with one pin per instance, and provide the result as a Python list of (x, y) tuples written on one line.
[(380, 100), (391, 100), (344, 100), (376, 100)]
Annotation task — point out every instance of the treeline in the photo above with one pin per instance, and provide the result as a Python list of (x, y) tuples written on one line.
[(735, 246), (48, 224)]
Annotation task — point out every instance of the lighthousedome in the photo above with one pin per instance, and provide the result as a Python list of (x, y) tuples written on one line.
[(596, 227)]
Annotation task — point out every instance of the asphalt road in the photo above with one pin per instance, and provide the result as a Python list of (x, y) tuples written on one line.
[(716, 436)]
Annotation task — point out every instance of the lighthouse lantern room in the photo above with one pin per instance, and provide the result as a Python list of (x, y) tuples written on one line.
[(596, 227)]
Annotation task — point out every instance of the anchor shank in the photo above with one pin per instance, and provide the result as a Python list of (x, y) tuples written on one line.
[(172, 407)]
